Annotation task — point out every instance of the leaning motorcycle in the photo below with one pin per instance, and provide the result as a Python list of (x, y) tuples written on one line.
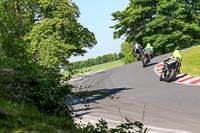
[(146, 58), (138, 54), (169, 71)]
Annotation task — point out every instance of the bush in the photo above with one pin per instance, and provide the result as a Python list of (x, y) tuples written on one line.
[(25, 82)]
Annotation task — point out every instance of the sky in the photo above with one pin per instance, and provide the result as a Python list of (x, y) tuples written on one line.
[(96, 16)]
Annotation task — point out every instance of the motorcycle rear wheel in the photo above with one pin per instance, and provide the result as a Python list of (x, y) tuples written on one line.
[(171, 76)]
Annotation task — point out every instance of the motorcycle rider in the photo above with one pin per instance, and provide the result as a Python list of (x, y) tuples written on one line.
[(176, 56), (137, 48), (149, 48)]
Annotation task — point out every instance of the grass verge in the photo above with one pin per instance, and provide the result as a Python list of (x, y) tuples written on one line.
[(191, 61), (103, 66), (19, 118), (97, 67)]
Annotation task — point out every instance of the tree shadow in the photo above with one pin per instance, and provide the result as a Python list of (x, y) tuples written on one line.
[(96, 95), (100, 94), (79, 115), (85, 109)]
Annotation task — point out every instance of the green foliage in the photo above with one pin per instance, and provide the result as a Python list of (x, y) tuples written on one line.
[(167, 25), (127, 52), (45, 32), (22, 118), (58, 35), (132, 20), (28, 83), (12, 29), (36, 39), (102, 127), (173, 25)]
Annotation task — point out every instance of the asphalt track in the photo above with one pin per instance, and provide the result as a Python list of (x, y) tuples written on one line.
[(137, 94)]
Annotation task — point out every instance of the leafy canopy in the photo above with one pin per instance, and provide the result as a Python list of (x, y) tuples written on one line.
[(167, 24), (44, 31)]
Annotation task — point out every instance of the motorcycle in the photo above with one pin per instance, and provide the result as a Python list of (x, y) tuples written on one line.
[(138, 54), (146, 57), (169, 71)]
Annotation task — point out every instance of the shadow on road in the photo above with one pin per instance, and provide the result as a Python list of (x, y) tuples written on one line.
[(84, 109), (151, 64), (178, 77), (79, 115), (92, 96), (96, 95)]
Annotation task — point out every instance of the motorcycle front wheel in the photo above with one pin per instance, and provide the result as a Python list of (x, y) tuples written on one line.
[(145, 60)]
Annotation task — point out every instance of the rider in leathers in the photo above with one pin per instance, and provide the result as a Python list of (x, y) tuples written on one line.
[(176, 56), (137, 48)]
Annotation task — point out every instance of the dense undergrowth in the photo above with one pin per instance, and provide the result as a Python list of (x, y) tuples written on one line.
[(31, 99), (191, 61)]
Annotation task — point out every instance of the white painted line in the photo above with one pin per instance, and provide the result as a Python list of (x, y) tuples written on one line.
[(160, 71), (159, 66)]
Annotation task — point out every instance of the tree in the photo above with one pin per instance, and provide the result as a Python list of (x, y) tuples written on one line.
[(36, 39), (167, 24), (126, 51), (175, 26), (47, 31), (132, 21), (15, 17), (58, 35)]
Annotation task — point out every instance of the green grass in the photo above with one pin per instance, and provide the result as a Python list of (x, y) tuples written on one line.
[(97, 67), (103, 66), (18, 118), (191, 61)]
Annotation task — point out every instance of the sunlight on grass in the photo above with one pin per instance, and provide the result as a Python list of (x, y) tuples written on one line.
[(97, 67), (103, 66), (191, 61), (21, 118)]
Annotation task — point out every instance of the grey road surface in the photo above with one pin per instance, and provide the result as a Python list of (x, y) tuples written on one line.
[(137, 93)]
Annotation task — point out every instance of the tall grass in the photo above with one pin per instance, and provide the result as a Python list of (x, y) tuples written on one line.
[(21, 118), (103, 66), (191, 61)]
